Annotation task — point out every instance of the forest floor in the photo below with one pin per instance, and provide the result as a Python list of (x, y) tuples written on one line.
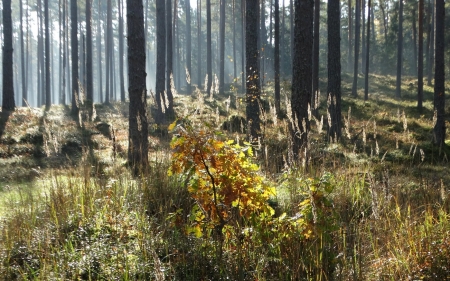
[(70, 210)]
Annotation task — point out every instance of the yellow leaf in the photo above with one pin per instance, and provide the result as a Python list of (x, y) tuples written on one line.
[(172, 126)]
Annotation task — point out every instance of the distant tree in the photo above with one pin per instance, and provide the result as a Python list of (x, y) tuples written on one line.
[(160, 60), (121, 51), (243, 45), (89, 71), (356, 58), (363, 36), (431, 41), (253, 92), (277, 57), (169, 114), (138, 124), (188, 44), (8, 102), (398, 91), (367, 62), (302, 73), (316, 38), (22, 59), (208, 46), (334, 69), (48, 101), (108, 53), (222, 47), (439, 74), (74, 43), (199, 44), (99, 54), (414, 39), (350, 36), (234, 40), (420, 58)]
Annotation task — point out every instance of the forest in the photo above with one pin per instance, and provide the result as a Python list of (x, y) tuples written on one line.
[(224, 140)]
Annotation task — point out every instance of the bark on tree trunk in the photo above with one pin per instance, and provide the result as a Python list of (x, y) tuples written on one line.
[(138, 124), (277, 57), (253, 91), (8, 103), (74, 42), (356, 59), (420, 59), (334, 71), (439, 74), (398, 91)]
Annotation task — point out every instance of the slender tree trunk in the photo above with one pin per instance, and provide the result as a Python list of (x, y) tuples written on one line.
[(291, 18), (420, 58), (121, 52), (64, 53), (243, 63), (263, 42), (208, 47), (414, 34), (188, 47), (431, 48), (99, 54), (199, 44), (366, 81), (277, 57), (363, 36), (74, 42), (302, 74), (234, 42), (48, 100), (89, 71), (439, 74), (334, 70), (222, 47), (398, 91), (385, 23), (169, 78), (356, 59), (315, 76), (138, 124), (350, 37), (253, 91), (8, 103), (160, 60), (108, 66), (22, 59), (82, 66)]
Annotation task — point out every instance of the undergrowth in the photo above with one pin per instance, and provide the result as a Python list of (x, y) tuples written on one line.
[(211, 207)]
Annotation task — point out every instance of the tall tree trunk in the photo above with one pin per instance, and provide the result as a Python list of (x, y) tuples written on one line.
[(431, 49), (48, 100), (350, 37), (138, 124), (234, 42), (263, 42), (243, 26), (74, 43), (199, 44), (334, 70), (108, 65), (356, 59), (277, 57), (160, 60), (8, 103), (253, 92), (366, 82), (363, 36), (169, 78), (64, 54), (82, 65), (188, 47), (222, 47), (291, 19), (414, 34), (89, 71), (121, 52), (302, 74), (99, 54), (315, 76), (208, 47), (22, 59), (420, 58), (385, 23), (439, 74), (398, 91)]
